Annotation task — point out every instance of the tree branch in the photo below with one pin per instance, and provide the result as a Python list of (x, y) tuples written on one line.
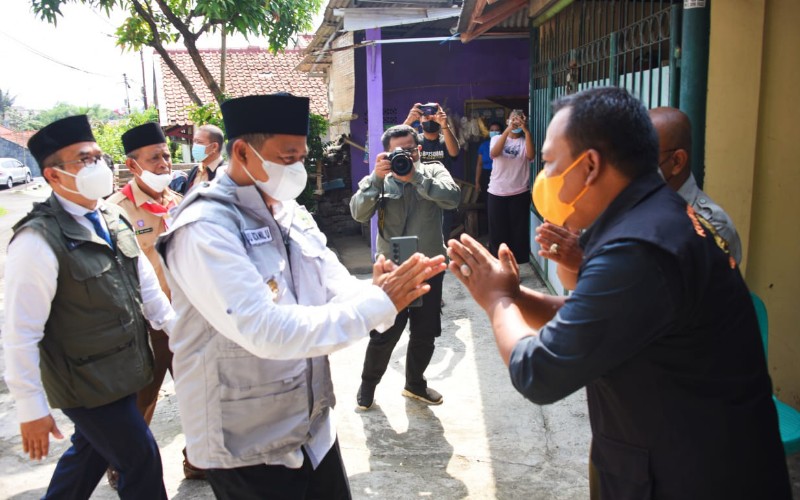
[(159, 47), (189, 42)]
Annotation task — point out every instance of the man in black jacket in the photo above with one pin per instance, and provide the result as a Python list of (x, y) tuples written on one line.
[(660, 328)]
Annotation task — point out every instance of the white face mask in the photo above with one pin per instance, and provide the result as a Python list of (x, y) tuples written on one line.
[(156, 182), (94, 181), (285, 183)]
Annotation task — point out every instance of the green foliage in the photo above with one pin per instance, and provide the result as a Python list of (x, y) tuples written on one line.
[(61, 110), (205, 114), (156, 23), (109, 134), (6, 101)]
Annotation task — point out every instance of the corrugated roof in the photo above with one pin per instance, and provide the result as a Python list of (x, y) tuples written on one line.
[(253, 70), (517, 21), (317, 58)]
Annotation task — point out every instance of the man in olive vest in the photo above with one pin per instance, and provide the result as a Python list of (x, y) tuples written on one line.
[(78, 293)]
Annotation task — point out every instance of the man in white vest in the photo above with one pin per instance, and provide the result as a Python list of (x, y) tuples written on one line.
[(270, 303)]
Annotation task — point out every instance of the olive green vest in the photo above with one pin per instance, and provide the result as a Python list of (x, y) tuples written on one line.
[(95, 348)]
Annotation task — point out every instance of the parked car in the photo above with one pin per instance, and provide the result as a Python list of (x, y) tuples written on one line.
[(13, 171)]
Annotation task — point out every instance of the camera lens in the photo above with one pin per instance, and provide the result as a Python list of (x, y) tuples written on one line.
[(400, 162)]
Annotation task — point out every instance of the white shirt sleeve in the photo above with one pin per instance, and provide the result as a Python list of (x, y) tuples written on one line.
[(214, 272), (343, 286), (31, 281), (157, 308)]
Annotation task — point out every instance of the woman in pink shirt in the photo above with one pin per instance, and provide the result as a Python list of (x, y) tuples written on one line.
[(509, 201)]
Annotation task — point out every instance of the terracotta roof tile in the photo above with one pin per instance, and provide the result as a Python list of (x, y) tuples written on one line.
[(253, 70), (20, 138)]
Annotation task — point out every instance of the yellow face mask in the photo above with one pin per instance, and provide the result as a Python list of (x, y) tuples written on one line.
[(545, 195)]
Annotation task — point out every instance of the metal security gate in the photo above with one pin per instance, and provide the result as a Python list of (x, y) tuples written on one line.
[(592, 43)]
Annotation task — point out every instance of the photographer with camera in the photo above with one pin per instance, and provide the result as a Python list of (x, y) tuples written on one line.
[(509, 201), (407, 195), (438, 144)]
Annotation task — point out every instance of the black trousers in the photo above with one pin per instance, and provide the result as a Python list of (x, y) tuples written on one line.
[(426, 325), (257, 482), (448, 216), (113, 434), (509, 223)]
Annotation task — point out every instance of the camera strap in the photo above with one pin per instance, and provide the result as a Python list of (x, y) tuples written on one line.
[(381, 211)]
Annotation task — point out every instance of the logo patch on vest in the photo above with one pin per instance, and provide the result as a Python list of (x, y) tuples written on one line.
[(256, 237), (144, 231)]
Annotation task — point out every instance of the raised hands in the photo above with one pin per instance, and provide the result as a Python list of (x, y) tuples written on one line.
[(561, 246), (488, 279), (404, 283)]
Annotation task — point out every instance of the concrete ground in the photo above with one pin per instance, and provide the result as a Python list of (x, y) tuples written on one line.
[(485, 441)]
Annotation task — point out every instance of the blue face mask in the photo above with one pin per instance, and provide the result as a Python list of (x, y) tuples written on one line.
[(199, 152), (517, 130), (493, 133)]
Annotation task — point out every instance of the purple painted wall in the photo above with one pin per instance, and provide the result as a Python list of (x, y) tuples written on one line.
[(450, 74)]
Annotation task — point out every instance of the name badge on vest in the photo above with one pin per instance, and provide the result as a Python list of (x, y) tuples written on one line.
[(256, 237)]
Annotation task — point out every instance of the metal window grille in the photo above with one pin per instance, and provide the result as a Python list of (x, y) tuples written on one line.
[(592, 43)]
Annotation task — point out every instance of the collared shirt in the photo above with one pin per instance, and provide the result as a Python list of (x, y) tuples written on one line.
[(284, 329), (148, 225), (202, 171), (714, 214), (31, 284), (411, 208)]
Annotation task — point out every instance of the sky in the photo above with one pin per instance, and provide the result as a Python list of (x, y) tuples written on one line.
[(76, 61)]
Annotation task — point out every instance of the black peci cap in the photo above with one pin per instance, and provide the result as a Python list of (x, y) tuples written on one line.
[(58, 135), (144, 135), (280, 113)]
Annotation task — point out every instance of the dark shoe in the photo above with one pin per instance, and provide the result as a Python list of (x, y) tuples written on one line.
[(113, 477), (366, 396), (190, 471), (427, 396)]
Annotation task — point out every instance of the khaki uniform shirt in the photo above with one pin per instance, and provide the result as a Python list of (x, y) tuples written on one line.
[(148, 225)]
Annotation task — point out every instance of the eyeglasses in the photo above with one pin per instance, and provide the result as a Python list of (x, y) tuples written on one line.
[(88, 160)]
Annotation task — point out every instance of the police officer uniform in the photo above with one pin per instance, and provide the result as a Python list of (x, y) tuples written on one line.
[(713, 213)]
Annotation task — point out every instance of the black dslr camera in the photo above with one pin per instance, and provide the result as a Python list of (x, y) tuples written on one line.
[(401, 161), (429, 109)]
